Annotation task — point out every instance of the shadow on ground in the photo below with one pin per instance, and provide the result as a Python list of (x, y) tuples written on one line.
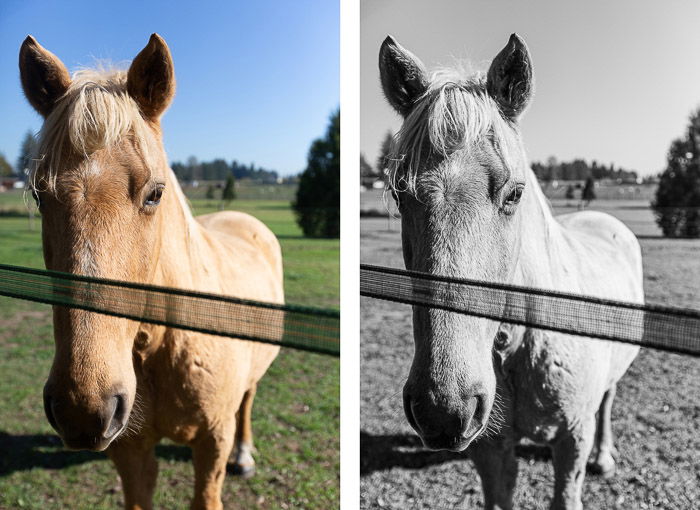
[(381, 452), (25, 452)]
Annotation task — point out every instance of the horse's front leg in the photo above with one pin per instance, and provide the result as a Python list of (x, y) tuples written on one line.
[(569, 456), (209, 455), (498, 469), (138, 469)]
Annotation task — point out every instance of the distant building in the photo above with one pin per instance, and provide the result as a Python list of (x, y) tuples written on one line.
[(8, 183)]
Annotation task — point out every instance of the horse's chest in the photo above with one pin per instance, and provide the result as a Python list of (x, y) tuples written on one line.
[(194, 383), (552, 384)]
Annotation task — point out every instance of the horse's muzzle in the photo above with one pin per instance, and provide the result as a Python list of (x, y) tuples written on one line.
[(450, 429), (87, 429)]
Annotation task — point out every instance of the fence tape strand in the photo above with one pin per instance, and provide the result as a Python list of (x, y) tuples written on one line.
[(666, 328), (299, 327)]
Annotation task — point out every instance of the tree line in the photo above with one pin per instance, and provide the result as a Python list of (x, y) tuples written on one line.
[(220, 170), (192, 170), (580, 170), (551, 170)]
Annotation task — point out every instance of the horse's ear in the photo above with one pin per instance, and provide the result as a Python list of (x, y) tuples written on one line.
[(404, 78), (509, 79), (151, 78), (44, 77)]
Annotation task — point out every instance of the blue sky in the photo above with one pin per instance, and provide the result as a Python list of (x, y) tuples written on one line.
[(257, 81), (614, 81)]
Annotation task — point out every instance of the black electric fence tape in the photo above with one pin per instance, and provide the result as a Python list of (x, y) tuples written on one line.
[(299, 327), (660, 327)]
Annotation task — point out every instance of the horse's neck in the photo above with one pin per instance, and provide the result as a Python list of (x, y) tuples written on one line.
[(180, 258), (543, 252)]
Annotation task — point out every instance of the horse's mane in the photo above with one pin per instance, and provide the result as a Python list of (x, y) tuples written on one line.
[(454, 112), (95, 113)]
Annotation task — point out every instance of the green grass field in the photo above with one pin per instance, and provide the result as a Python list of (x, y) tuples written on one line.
[(295, 418)]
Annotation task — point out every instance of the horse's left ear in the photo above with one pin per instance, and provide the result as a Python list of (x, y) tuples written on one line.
[(151, 78), (509, 80)]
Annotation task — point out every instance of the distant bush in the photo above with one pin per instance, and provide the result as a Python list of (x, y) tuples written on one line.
[(317, 204), (569, 192), (677, 203)]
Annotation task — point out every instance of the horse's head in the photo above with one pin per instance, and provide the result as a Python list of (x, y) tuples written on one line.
[(99, 176), (457, 172)]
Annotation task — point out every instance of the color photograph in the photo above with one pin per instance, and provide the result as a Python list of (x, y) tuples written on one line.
[(169, 255)]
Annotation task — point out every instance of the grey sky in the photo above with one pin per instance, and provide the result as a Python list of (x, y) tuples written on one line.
[(615, 81)]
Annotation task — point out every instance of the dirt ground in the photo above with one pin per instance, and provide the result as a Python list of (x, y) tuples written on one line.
[(656, 417)]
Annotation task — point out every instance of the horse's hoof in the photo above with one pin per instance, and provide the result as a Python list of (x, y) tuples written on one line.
[(244, 472), (606, 469)]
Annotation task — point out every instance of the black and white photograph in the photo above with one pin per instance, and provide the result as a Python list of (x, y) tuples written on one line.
[(529, 218)]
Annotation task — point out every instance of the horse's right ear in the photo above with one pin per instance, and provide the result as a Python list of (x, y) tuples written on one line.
[(44, 77), (404, 78), (151, 78)]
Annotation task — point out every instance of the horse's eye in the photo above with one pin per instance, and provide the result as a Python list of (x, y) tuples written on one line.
[(515, 195), (154, 196), (513, 198)]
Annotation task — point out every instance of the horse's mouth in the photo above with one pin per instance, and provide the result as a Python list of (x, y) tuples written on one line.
[(90, 443), (445, 442), (451, 443)]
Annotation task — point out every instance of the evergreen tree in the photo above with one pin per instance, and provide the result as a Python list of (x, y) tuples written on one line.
[(25, 153), (5, 167), (677, 203), (367, 173), (384, 151), (317, 204), (229, 192), (588, 192)]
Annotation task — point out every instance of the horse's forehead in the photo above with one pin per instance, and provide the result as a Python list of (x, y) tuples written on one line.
[(106, 172), (467, 174)]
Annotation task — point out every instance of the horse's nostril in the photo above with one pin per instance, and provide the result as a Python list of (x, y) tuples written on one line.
[(48, 411), (115, 416), (408, 410), (480, 410)]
